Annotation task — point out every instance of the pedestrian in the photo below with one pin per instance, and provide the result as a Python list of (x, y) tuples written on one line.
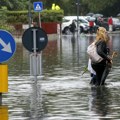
[(91, 25), (101, 41), (99, 21), (96, 21), (72, 27), (110, 24)]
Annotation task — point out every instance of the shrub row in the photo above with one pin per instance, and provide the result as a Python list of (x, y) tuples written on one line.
[(17, 17)]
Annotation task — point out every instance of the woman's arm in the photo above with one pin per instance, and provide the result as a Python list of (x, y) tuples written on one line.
[(102, 50)]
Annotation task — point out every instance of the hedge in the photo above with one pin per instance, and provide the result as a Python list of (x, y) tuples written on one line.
[(17, 17)]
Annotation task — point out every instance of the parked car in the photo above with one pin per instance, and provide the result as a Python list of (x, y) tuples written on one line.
[(116, 23), (67, 20)]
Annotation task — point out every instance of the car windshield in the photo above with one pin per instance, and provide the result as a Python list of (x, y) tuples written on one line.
[(65, 20), (80, 20), (83, 21)]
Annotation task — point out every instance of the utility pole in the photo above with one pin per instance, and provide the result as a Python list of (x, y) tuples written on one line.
[(78, 8), (29, 13)]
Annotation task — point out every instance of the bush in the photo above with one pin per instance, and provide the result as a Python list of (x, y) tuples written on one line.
[(3, 20), (17, 17), (7, 27), (52, 15), (3, 15)]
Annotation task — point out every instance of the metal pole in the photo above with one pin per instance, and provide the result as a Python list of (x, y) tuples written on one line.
[(41, 63), (29, 14), (78, 27), (34, 40), (39, 20), (40, 56), (35, 54)]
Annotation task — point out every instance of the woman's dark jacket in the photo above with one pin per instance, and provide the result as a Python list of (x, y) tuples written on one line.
[(102, 50)]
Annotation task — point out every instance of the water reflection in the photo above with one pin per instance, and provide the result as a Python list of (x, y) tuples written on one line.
[(19, 63), (3, 112), (36, 109), (100, 102), (63, 93), (115, 42)]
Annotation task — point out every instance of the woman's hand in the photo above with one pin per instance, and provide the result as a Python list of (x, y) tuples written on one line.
[(110, 60)]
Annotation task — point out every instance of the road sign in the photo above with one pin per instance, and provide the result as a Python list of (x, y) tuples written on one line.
[(38, 6), (40, 42), (7, 46)]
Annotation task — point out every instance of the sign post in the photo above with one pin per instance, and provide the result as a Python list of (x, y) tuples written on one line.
[(38, 7), (35, 40), (7, 49)]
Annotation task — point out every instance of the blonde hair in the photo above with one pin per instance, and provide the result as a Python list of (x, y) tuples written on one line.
[(102, 35)]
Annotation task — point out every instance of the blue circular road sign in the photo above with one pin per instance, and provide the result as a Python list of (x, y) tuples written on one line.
[(7, 45)]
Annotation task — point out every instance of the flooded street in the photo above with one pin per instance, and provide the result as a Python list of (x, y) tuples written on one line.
[(62, 93)]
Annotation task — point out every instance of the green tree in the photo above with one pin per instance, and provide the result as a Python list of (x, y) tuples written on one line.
[(14, 4), (69, 6), (103, 6)]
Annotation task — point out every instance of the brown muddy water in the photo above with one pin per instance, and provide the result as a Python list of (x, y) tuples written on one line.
[(62, 93)]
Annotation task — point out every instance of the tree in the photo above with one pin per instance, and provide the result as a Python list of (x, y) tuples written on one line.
[(69, 6), (103, 6), (14, 4)]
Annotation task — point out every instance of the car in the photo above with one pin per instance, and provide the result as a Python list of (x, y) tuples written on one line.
[(67, 20), (116, 23)]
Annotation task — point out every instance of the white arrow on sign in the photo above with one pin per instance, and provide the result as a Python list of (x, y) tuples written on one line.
[(6, 47)]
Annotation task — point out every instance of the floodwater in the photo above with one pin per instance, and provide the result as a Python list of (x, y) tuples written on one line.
[(62, 92)]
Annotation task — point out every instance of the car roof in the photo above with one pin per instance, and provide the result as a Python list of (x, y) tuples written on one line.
[(115, 18), (70, 17), (74, 17)]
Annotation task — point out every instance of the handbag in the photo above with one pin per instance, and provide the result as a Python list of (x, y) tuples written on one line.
[(92, 52)]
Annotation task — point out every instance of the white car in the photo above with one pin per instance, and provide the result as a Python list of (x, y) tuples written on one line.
[(67, 20), (116, 24)]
